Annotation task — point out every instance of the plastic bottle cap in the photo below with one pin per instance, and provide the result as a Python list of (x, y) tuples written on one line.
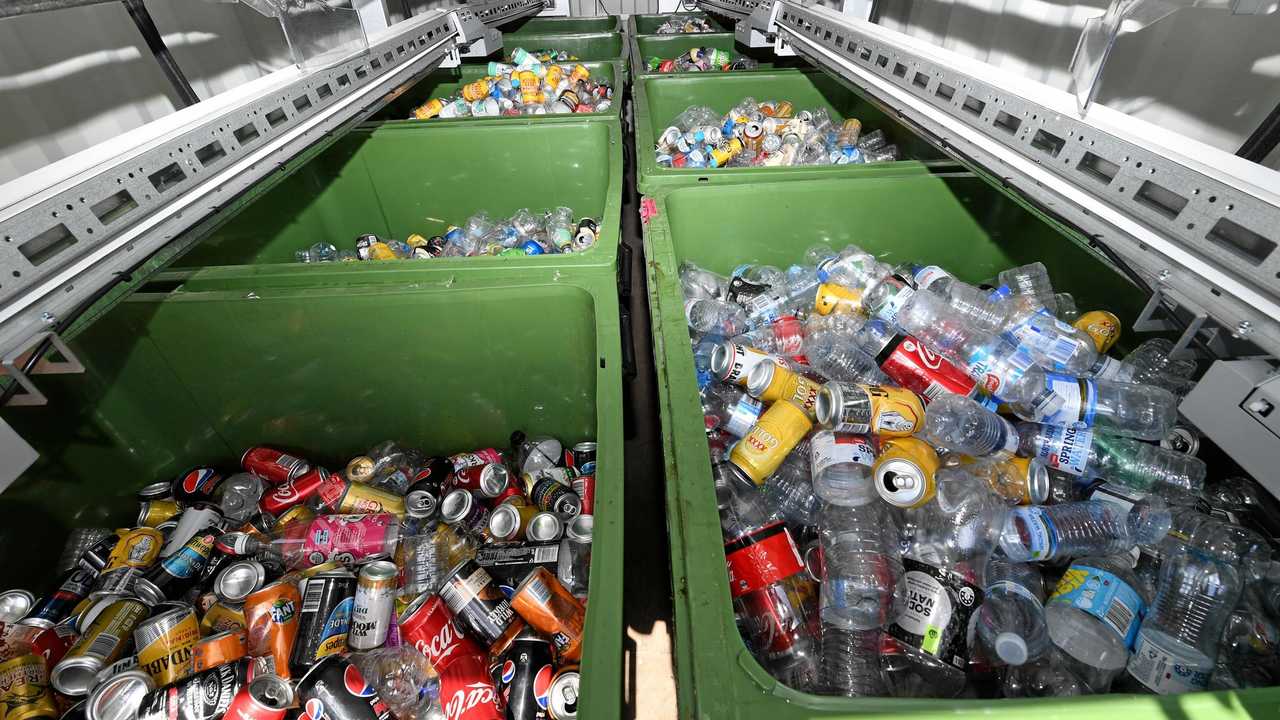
[(1011, 648)]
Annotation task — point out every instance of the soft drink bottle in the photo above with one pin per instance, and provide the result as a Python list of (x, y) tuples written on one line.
[(1053, 344), (963, 426), (790, 490), (1011, 620), (1117, 408), (1046, 532), (1140, 467), (973, 306), (728, 408), (1030, 282), (1177, 643), (707, 315), (1093, 613), (840, 464)]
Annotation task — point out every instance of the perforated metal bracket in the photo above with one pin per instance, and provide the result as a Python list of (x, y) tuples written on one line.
[(11, 364), (1196, 221), (478, 34)]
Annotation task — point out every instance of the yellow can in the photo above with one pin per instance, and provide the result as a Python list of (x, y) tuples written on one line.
[(783, 109), (474, 91), (24, 689), (153, 512), (850, 131), (555, 74), (428, 110), (904, 472), (380, 251), (770, 440), (579, 73), (861, 409), (730, 150), (1102, 326), (138, 548), (165, 643), (221, 618), (362, 499), (832, 299), (1025, 480), (770, 382), (414, 241), (295, 514)]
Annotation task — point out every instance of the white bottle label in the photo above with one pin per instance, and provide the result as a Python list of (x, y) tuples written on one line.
[(889, 311), (1067, 402), (1168, 669), (829, 449), (929, 275), (1107, 494), (1065, 448), (1109, 368), (743, 415), (1042, 333)]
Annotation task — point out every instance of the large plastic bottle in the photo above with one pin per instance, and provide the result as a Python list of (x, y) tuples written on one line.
[(1011, 620), (1051, 675), (838, 357), (1053, 344), (1030, 282), (782, 299), (708, 315), (862, 566), (1140, 467), (852, 267), (1178, 641), (1093, 612), (1117, 408), (730, 409), (963, 426), (784, 336), (840, 464), (975, 307), (699, 283), (790, 490), (1046, 532)]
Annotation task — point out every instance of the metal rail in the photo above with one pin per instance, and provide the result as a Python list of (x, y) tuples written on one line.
[(1200, 225)]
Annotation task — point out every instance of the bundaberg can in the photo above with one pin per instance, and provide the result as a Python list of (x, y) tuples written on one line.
[(164, 644)]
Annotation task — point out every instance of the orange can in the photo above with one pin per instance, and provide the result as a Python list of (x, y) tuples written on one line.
[(219, 649), (1102, 326), (770, 440), (551, 610), (474, 91), (428, 110), (221, 617), (771, 382), (271, 617), (836, 299)]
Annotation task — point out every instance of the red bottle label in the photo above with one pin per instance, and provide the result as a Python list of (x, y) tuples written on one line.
[(761, 558)]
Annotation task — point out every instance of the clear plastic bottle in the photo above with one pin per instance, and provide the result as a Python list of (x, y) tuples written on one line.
[(1116, 408), (862, 565), (1028, 281), (1053, 344), (1178, 641), (784, 336), (973, 306), (885, 297), (782, 299), (699, 283), (1139, 467), (838, 357), (840, 465), (707, 315), (850, 662), (730, 409), (963, 426), (1046, 532), (1011, 620), (753, 278), (853, 268), (696, 116), (1093, 613), (1049, 676), (790, 490)]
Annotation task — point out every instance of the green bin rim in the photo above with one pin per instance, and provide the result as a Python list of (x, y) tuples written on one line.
[(715, 670), (640, 70), (552, 20), (541, 40)]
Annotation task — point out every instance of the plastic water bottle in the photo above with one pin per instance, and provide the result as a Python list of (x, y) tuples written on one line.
[(853, 268), (840, 465), (1046, 532), (884, 298), (975, 307), (730, 409), (1049, 676), (699, 283), (1177, 643), (1053, 344), (862, 565), (752, 279), (838, 357), (708, 315), (968, 519), (850, 662), (784, 298), (1137, 466), (1011, 620), (1117, 408), (1150, 364), (790, 490), (1093, 613), (1030, 282), (963, 426)]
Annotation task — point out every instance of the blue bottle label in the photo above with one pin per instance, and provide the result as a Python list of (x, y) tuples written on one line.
[(1065, 448), (1103, 595), (1036, 531)]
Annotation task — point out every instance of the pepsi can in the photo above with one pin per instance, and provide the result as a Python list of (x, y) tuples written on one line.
[(524, 676), (196, 485), (334, 689)]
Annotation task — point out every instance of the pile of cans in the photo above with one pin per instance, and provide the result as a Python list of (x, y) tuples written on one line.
[(531, 86), (525, 233), (701, 59), (684, 24), (767, 134), (406, 586)]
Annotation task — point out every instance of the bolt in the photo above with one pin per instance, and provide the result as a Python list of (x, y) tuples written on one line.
[(49, 318), (1244, 328), (1164, 275)]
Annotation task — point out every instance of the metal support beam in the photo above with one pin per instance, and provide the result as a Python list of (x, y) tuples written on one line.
[(1264, 139), (16, 8), (155, 43)]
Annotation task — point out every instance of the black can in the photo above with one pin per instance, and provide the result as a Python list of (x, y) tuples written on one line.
[(324, 620), (472, 596), (582, 458), (179, 572), (196, 485), (57, 606), (434, 473), (203, 696), (334, 689), (524, 677)]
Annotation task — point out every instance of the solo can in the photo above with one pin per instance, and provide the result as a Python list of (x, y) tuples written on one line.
[(325, 619)]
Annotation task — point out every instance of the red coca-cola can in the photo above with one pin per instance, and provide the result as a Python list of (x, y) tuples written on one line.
[(466, 689), (293, 492), (274, 466), (52, 643), (430, 627), (511, 491), (268, 697), (911, 364), (585, 486)]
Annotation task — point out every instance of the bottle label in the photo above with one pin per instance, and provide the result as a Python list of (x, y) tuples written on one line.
[(1042, 333), (765, 307), (997, 375), (889, 311), (1065, 448), (761, 558), (1036, 531), (1168, 669), (1109, 368), (743, 415), (346, 538), (192, 557), (1102, 595), (789, 334), (930, 274), (740, 289), (917, 368), (829, 449), (936, 611), (1108, 494), (1008, 586), (1067, 402)]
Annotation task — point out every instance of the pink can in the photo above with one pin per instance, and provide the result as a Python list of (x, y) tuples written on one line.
[(487, 456), (349, 538)]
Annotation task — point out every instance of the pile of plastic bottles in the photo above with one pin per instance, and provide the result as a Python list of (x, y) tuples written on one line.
[(983, 497), (529, 87), (524, 233), (768, 134), (701, 59), (684, 25)]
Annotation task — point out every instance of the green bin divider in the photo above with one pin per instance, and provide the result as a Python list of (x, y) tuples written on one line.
[(668, 47), (959, 222), (542, 25), (659, 99), (449, 360), (638, 25), (586, 46), (398, 179), (443, 84)]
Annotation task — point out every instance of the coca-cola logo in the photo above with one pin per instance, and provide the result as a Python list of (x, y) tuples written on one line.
[(442, 645), (467, 698), (285, 492), (927, 356)]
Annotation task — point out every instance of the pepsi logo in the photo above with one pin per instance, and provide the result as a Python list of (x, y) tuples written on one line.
[(508, 671), (313, 709), (542, 686), (200, 480), (355, 683)]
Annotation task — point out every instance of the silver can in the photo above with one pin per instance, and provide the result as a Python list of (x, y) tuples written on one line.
[(239, 580), (544, 527), (374, 601), (15, 604), (118, 697)]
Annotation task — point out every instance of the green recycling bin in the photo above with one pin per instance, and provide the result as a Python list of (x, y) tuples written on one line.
[(667, 47), (648, 24), (444, 360), (601, 46), (960, 222), (444, 84), (561, 25), (659, 99), (420, 178)]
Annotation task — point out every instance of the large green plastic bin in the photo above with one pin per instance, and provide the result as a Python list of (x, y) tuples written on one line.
[(666, 47), (659, 99), (419, 178), (445, 360), (649, 24), (586, 46), (561, 25), (448, 83), (959, 222)]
